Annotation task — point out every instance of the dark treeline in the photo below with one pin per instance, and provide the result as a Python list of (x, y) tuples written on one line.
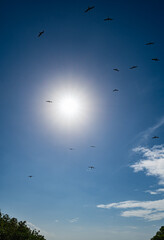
[(159, 235), (12, 229)]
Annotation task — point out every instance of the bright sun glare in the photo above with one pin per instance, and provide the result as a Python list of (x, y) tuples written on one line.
[(70, 106)]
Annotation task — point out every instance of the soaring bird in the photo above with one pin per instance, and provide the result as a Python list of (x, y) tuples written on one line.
[(71, 148), (155, 137), (30, 176), (108, 19), (91, 167), (92, 146), (40, 33), (155, 59), (116, 69), (133, 67), (149, 43), (115, 90), (48, 101), (89, 8)]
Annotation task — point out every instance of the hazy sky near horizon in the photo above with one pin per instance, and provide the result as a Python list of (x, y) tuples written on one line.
[(123, 196)]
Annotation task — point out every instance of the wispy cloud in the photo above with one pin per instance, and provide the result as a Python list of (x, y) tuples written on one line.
[(152, 162), (73, 220), (155, 192), (149, 210), (160, 190), (33, 227), (151, 192), (145, 134)]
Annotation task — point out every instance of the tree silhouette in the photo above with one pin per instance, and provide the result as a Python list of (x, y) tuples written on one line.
[(159, 235), (12, 229)]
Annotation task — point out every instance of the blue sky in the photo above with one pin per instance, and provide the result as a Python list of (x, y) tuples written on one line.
[(124, 194)]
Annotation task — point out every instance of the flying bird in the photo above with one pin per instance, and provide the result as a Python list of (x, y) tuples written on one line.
[(92, 146), (155, 59), (48, 101), (91, 167), (108, 19), (89, 8), (40, 33), (155, 137), (30, 176), (116, 69), (71, 148), (115, 90), (133, 67), (149, 43)]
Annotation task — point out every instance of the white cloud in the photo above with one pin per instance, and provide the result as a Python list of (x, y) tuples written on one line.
[(149, 210), (151, 192), (159, 205), (152, 162), (155, 192), (73, 220), (136, 213), (160, 190)]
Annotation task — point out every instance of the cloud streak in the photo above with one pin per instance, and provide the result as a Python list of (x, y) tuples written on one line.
[(152, 162), (73, 220), (33, 227), (155, 192), (150, 130), (149, 210)]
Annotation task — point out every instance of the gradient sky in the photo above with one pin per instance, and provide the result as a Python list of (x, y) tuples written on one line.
[(124, 195)]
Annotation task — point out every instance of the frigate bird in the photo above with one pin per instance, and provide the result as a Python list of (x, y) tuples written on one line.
[(155, 137), (91, 167), (108, 19), (40, 33), (133, 67), (89, 8), (48, 101), (155, 59), (115, 90), (116, 69), (149, 43)]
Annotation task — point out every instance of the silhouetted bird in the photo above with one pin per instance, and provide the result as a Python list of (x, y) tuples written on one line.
[(30, 176), (71, 148), (155, 59), (48, 101), (40, 33), (115, 90), (91, 167), (108, 19), (133, 67), (89, 8), (116, 69), (149, 43), (92, 146), (155, 137)]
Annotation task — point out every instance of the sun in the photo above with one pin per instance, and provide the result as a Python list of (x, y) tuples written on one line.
[(70, 107)]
